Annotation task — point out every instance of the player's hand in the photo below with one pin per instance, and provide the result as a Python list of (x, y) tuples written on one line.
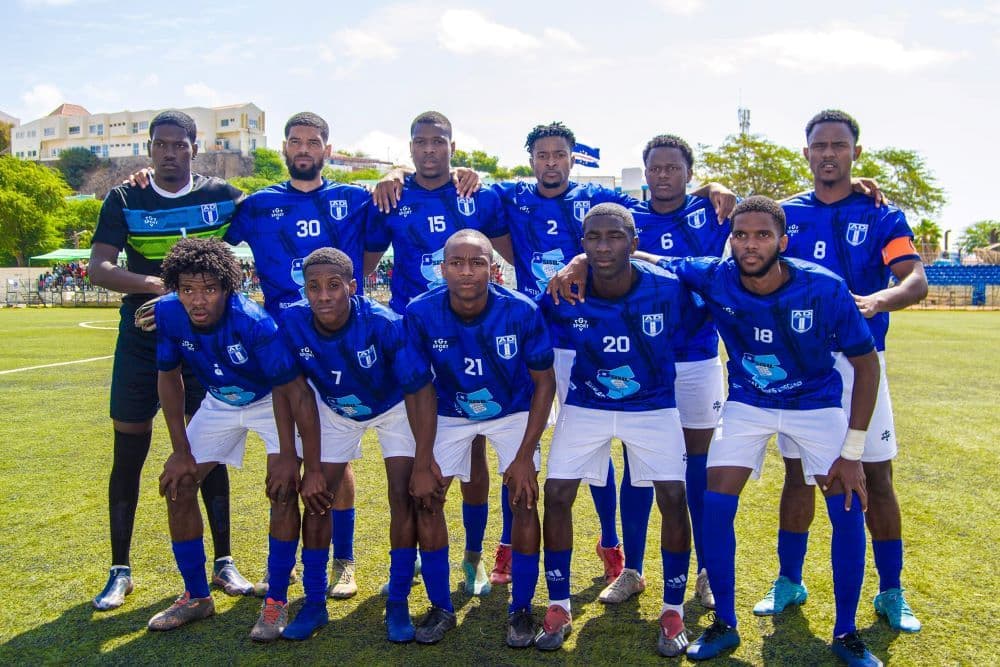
[(388, 191), (868, 305), (723, 200), (570, 283), (869, 187), (179, 465), (145, 315), (851, 476), (282, 481), (140, 178), (522, 483), (315, 495), (427, 487), (466, 181)]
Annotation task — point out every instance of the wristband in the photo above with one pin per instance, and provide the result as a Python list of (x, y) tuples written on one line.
[(854, 445)]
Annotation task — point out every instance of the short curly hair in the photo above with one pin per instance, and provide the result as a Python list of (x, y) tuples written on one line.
[(669, 141), (612, 210), (553, 129), (338, 259), (201, 256), (834, 116), (761, 204)]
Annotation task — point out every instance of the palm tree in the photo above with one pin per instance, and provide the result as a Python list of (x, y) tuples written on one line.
[(928, 237)]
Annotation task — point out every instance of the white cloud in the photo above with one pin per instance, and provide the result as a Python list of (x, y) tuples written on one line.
[(150, 80), (364, 45), (380, 145), (561, 39), (41, 100), (467, 31), (681, 7), (987, 14), (201, 94)]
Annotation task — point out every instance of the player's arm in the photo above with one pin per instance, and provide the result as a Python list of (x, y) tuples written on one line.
[(504, 247), (295, 408), (847, 468), (426, 483), (389, 190), (371, 261), (105, 272), (180, 463), (911, 288), (570, 282), (521, 478), (722, 198)]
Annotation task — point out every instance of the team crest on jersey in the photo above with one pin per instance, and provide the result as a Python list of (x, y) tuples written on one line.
[(237, 354), (338, 209), (580, 209), (209, 213), (466, 205), (802, 320), (697, 219), (367, 358), (507, 346), (652, 324), (857, 232)]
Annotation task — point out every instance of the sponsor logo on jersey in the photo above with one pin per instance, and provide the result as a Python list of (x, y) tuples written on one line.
[(764, 369), (405, 211), (792, 230), (857, 232), (477, 404), (802, 320), (277, 212), (507, 346), (338, 209), (466, 206), (306, 353), (209, 213), (298, 277), (349, 406), (652, 324), (525, 209), (581, 323), (618, 382), (237, 354), (188, 345), (367, 358), (217, 370), (440, 344), (580, 209), (150, 220), (697, 219)]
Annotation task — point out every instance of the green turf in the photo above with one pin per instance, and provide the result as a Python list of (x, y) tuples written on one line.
[(945, 376)]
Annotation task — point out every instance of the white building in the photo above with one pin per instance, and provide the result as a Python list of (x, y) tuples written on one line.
[(238, 128)]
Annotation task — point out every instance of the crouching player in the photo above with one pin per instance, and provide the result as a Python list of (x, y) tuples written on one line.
[(347, 346), (621, 386), (780, 319), (492, 361), (232, 345)]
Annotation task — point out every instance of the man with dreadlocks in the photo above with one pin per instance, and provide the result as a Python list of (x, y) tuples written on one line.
[(232, 346)]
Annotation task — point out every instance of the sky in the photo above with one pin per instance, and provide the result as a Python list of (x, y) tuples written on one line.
[(921, 77)]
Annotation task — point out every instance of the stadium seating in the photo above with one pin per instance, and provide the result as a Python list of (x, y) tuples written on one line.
[(977, 277)]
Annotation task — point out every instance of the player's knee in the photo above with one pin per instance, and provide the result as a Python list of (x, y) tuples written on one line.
[(560, 494), (400, 500), (671, 497)]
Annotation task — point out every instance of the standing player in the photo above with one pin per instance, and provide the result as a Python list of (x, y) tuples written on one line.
[(780, 319), (232, 346), (348, 346), (621, 385), (146, 223), (867, 246), (431, 210), (489, 350)]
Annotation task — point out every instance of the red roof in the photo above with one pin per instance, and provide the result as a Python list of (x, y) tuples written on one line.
[(70, 110)]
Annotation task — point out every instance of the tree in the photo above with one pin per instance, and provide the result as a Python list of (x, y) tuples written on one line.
[(5, 129), (478, 160), (345, 176), (979, 235), (904, 177), (927, 235), (460, 158), (752, 165), (268, 169), (522, 170), (32, 198), (74, 163), (77, 222)]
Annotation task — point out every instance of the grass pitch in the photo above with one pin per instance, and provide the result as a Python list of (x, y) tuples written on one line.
[(945, 375)]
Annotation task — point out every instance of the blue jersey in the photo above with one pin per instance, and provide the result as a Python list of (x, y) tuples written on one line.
[(418, 229), (855, 240), (481, 368), (545, 232), (282, 225), (693, 230), (355, 369), (780, 344), (624, 352), (238, 360)]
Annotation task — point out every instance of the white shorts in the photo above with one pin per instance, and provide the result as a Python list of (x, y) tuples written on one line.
[(453, 443), (218, 431), (562, 365), (581, 445), (699, 394), (341, 437), (741, 437), (880, 444)]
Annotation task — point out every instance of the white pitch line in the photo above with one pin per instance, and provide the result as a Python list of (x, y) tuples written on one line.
[(61, 363), (91, 323)]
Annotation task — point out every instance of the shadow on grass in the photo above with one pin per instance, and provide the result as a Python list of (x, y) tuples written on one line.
[(792, 641), (879, 637)]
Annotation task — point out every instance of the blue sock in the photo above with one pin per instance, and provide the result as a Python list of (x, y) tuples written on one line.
[(474, 519), (847, 555), (696, 479), (190, 556), (314, 577), (557, 573), (606, 505), (720, 552), (524, 578), (343, 533), (436, 581), (792, 554), (636, 503), (402, 563), (506, 514), (675, 575), (888, 562), (280, 561)]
